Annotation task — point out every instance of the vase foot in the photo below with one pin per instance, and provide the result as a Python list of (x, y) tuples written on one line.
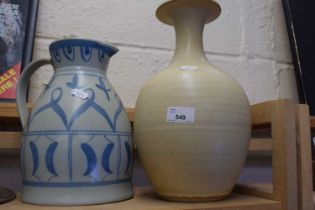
[(194, 198)]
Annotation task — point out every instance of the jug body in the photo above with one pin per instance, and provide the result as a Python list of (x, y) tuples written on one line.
[(77, 143)]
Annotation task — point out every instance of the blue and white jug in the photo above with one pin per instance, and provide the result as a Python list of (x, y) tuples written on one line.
[(77, 142)]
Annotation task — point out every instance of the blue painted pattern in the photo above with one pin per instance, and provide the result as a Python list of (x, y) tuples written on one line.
[(129, 156), (69, 52), (55, 97), (94, 165), (85, 49), (101, 56), (35, 157), (91, 158), (105, 155), (86, 53), (76, 132), (75, 184), (102, 87), (49, 159), (74, 83), (55, 53), (89, 103), (106, 158)]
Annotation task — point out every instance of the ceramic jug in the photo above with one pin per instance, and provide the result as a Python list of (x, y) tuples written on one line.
[(77, 143), (192, 120)]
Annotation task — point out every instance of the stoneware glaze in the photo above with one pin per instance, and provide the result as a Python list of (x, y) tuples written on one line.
[(77, 143), (192, 120)]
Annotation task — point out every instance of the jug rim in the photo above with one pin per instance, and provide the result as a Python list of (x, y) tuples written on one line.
[(109, 48)]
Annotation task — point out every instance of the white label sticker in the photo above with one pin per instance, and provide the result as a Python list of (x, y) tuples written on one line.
[(80, 93), (188, 68), (180, 114)]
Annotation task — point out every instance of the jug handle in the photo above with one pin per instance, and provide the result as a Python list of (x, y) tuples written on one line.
[(21, 88)]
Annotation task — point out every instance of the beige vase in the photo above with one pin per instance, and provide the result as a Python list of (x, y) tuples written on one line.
[(192, 121)]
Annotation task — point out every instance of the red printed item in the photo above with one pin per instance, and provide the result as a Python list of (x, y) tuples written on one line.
[(8, 81)]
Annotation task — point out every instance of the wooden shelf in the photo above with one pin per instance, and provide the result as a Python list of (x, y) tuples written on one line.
[(9, 111), (11, 140), (147, 199), (287, 125)]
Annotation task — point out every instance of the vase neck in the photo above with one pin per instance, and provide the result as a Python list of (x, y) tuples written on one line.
[(189, 41)]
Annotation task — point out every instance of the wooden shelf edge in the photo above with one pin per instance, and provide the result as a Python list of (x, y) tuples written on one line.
[(260, 113), (262, 190), (12, 140), (259, 145), (147, 199), (9, 110)]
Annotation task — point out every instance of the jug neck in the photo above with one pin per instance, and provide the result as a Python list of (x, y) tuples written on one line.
[(81, 54), (69, 69)]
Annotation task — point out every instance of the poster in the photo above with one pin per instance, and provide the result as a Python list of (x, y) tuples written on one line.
[(15, 30)]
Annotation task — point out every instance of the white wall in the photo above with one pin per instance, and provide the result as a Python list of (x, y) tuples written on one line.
[(249, 41)]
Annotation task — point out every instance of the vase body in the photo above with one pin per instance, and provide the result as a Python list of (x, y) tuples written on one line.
[(77, 143), (192, 121)]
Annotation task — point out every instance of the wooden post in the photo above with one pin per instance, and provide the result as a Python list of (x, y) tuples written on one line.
[(284, 155), (304, 158)]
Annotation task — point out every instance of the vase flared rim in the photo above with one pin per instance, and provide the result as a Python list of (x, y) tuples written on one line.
[(164, 11), (110, 49)]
